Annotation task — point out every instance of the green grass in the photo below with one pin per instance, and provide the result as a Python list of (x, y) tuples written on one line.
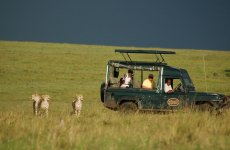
[(62, 70)]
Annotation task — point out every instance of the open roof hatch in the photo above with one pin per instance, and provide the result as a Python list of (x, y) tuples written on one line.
[(158, 54)]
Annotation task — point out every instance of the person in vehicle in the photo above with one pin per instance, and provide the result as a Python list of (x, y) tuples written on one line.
[(122, 82), (168, 86), (149, 83), (127, 80)]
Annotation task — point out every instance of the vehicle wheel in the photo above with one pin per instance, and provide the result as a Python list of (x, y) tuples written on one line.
[(128, 107), (226, 104), (206, 107)]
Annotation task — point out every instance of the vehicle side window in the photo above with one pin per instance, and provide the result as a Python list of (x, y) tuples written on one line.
[(177, 85), (173, 85), (121, 78), (127, 78)]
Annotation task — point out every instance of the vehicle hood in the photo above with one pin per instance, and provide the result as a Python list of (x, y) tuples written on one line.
[(204, 96)]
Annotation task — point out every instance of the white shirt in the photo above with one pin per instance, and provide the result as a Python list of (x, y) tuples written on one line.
[(124, 86), (127, 80), (167, 88)]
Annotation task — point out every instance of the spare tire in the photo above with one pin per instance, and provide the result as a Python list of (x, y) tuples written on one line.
[(102, 91)]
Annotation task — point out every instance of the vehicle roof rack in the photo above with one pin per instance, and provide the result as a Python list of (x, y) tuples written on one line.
[(144, 51), (158, 54)]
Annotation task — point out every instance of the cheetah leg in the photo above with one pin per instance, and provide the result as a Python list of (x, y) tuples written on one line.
[(35, 108), (75, 112), (36, 112), (78, 113), (47, 113)]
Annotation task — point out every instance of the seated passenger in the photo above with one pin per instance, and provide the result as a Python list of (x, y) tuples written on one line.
[(168, 87), (149, 83), (127, 79), (122, 82)]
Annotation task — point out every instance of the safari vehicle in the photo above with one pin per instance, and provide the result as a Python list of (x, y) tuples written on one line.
[(133, 97)]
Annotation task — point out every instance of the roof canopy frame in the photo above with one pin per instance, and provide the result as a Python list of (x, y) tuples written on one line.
[(127, 52)]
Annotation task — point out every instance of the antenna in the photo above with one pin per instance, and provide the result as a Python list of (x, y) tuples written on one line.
[(205, 74)]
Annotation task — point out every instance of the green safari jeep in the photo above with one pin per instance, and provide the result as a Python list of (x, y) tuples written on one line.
[(133, 97)]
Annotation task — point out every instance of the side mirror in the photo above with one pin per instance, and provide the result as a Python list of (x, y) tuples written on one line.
[(116, 72)]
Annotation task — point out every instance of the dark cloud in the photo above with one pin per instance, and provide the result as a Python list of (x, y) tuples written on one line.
[(173, 24)]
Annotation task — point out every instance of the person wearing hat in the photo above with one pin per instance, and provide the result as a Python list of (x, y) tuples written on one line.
[(149, 83)]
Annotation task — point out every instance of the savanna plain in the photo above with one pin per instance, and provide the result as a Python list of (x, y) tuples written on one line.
[(63, 70)]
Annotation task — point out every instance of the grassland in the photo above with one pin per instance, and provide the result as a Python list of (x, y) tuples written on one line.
[(62, 70)]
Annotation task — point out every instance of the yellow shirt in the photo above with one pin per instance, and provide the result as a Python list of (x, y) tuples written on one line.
[(148, 84)]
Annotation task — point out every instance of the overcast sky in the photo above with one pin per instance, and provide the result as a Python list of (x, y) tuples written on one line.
[(199, 24)]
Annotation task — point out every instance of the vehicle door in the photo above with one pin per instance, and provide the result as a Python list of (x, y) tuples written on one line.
[(175, 100), (150, 99)]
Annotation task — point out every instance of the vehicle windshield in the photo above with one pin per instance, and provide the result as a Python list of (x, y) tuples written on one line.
[(187, 80)]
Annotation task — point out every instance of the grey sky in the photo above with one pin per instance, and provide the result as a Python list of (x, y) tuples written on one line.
[(199, 24)]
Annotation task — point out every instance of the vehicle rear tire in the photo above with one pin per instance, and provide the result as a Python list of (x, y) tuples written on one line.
[(128, 107)]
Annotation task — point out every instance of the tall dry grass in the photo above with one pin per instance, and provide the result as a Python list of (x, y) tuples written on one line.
[(62, 70)]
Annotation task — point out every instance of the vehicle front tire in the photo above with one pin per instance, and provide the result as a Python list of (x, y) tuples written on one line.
[(226, 104), (207, 107)]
